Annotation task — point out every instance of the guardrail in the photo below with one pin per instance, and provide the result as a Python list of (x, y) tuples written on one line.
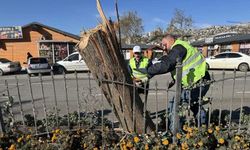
[(45, 103)]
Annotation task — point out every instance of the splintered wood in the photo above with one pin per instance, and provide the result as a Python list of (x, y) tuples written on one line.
[(100, 50)]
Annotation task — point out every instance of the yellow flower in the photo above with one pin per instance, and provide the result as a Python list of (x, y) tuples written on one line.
[(236, 138), (185, 127), (217, 128), (95, 148), (184, 145), (221, 141), (136, 139), (57, 131), (146, 147), (19, 139), (28, 137), (210, 131), (188, 136), (85, 145), (12, 147), (200, 143), (190, 130), (178, 135), (129, 144), (165, 142), (54, 138), (191, 134), (123, 142)]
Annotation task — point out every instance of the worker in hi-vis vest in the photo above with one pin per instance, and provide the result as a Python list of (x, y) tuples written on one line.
[(194, 69), (139, 61)]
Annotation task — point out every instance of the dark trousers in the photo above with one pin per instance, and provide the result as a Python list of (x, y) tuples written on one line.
[(196, 93), (194, 106)]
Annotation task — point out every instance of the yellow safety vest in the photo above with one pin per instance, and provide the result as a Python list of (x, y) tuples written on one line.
[(143, 64), (194, 64)]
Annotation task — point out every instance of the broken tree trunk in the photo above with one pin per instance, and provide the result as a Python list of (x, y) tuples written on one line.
[(100, 51)]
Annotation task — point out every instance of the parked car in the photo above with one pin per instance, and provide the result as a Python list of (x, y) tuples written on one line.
[(229, 60), (38, 65), (73, 62), (7, 66)]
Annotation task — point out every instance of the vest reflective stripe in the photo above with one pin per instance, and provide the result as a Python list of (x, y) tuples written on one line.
[(194, 65), (185, 72), (143, 64), (191, 58)]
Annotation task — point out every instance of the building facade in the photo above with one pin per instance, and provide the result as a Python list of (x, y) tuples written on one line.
[(39, 40), (224, 42)]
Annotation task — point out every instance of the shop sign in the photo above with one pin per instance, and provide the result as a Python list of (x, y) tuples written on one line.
[(245, 45), (223, 36), (209, 40), (11, 32)]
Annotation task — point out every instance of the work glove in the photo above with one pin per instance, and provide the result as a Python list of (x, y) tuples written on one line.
[(138, 84), (144, 80)]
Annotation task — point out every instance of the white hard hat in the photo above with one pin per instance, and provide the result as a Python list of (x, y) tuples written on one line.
[(137, 49), (216, 46)]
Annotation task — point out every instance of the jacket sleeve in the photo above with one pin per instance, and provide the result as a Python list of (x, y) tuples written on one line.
[(129, 68), (168, 62)]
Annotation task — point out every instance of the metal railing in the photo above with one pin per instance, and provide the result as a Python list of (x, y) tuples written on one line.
[(45, 103)]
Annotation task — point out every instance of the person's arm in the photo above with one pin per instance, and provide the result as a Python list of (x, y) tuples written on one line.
[(129, 68), (168, 62)]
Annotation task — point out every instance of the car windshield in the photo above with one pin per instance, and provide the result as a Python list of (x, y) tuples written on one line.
[(38, 61), (4, 60)]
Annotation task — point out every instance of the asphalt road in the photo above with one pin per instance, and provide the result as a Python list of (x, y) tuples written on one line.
[(90, 97)]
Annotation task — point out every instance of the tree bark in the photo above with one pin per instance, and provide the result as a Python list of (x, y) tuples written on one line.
[(100, 50)]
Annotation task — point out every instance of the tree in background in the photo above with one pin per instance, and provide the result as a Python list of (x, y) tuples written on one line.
[(131, 28), (156, 36), (180, 24)]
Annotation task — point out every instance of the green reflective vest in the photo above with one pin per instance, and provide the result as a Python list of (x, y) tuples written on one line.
[(143, 64), (194, 64)]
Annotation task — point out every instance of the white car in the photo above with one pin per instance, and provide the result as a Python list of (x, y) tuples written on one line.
[(38, 65), (7, 66), (229, 60), (73, 62)]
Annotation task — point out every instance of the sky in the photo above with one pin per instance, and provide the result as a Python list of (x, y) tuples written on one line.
[(74, 15)]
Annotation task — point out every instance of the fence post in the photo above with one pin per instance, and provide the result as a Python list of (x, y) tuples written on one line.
[(177, 98), (2, 128)]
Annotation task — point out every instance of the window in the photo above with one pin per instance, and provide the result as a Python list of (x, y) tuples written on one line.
[(245, 51), (233, 55), (4, 60), (221, 56), (38, 61), (73, 57)]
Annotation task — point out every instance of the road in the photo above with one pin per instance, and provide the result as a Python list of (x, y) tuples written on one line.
[(90, 97)]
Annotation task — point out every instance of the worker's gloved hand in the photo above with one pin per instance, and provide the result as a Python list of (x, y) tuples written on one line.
[(138, 83), (144, 80)]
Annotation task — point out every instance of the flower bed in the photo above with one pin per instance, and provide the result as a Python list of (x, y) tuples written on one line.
[(212, 137)]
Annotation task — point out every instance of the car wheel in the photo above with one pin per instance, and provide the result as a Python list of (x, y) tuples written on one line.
[(1, 72), (243, 67), (61, 70)]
